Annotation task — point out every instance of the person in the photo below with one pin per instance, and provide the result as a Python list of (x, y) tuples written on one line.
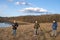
[(36, 27), (54, 28), (15, 25)]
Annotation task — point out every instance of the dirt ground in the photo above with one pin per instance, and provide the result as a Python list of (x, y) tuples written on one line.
[(26, 32)]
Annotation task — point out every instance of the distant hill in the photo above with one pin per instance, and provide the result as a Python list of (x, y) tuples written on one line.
[(31, 19)]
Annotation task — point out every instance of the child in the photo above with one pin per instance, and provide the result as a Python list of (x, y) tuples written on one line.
[(54, 28), (36, 26), (15, 25)]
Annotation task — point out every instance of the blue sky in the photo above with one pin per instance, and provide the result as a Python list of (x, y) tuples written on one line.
[(28, 7)]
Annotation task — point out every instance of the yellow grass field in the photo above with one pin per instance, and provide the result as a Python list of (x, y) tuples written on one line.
[(26, 32)]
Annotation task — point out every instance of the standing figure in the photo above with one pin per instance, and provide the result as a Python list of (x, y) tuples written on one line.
[(54, 28), (14, 27), (36, 27)]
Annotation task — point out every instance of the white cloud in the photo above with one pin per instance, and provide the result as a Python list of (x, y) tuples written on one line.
[(17, 3), (33, 10), (23, 3)]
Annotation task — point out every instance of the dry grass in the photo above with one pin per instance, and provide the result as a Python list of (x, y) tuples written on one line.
[(26, 32)]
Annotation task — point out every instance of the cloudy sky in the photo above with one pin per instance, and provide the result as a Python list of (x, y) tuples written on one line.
[(28, 7)]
